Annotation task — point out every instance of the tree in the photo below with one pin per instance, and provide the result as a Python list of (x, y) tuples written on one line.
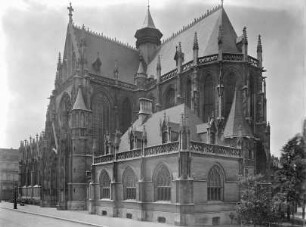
[(292, 174), (256, 205)]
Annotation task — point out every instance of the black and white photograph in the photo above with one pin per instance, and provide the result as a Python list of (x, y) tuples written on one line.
[(153, 113)]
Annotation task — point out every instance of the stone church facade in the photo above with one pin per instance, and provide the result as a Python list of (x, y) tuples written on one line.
[(161, 132)]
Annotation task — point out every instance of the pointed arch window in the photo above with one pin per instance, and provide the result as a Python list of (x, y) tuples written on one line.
[(101, 118), (170, 97), (104, 182), (208, 97), (215, 184), (65, 107), (126, 115), (129, 184), (163, 184), (188, 93), (230, 83)]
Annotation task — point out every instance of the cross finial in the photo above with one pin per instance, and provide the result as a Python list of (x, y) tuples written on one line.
[(222, 2), (70, 9), (148, 4)]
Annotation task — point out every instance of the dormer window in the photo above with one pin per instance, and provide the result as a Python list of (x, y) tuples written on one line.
[(97, 65), (165, 136)]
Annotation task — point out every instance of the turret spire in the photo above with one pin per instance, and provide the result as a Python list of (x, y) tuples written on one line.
[(259, 52), (259, 46), (148, 22), (148, 38), (59, 62)]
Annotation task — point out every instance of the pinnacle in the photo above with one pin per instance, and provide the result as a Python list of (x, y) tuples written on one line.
[(148, 22), (195, 42)]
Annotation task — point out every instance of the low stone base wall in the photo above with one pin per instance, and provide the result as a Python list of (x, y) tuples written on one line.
[(76, 205)]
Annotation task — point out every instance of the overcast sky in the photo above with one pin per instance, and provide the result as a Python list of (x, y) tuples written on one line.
[(33, 32)]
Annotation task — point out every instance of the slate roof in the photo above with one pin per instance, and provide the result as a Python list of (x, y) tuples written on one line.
[(207, 29), (236, 125), (111, 52), (152, 126)]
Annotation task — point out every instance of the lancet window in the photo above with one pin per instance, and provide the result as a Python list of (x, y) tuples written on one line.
[(104, 181), (208, 97), (215, 184), (129, 184), (163, 184), (101, 118)]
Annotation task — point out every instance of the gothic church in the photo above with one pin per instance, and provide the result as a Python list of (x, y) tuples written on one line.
[(158, 132)]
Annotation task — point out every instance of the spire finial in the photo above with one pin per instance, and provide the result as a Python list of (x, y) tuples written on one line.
[(259, 45), (59, 61), (148, 4), (70, 9), (222, 1), (245, 36)]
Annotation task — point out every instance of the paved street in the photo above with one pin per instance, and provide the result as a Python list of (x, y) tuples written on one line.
[(30, 215), (11, 218)]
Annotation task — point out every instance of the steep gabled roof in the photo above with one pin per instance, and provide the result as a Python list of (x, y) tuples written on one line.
[(236, 125), (207, 28), (153, 128), (111, 52)]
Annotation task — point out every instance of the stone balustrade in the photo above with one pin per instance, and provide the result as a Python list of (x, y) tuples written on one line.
[(253, 61), (104, 158), (205, 148), (161, 149), (148, 151), (128, 154), (232, 57)]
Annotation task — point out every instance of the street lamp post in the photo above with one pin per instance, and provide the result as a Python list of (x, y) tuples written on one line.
[(15, 197)]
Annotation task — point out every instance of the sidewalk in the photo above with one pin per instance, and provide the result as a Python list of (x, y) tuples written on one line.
[(81, 217)]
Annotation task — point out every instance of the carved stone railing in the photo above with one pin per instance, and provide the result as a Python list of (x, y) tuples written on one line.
[(232, 57), (253, 61), (104, 158), (128, 154), (208, 59), (214, 149), (161, 149), (112, 82), (187, 66), (168, 75)]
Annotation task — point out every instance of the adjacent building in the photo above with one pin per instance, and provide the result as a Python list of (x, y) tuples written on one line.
[(9, 172), (158, 132)]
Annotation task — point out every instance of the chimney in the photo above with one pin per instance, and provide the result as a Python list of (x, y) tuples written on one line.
[(145, 109)]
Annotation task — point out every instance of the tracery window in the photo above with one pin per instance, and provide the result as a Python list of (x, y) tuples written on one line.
[(208, 97), (101, 118), (126, 115), (230, 84), (163, 185), (215, 184), (104, 181), (64, 109), (170, 97), (129, 184)]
